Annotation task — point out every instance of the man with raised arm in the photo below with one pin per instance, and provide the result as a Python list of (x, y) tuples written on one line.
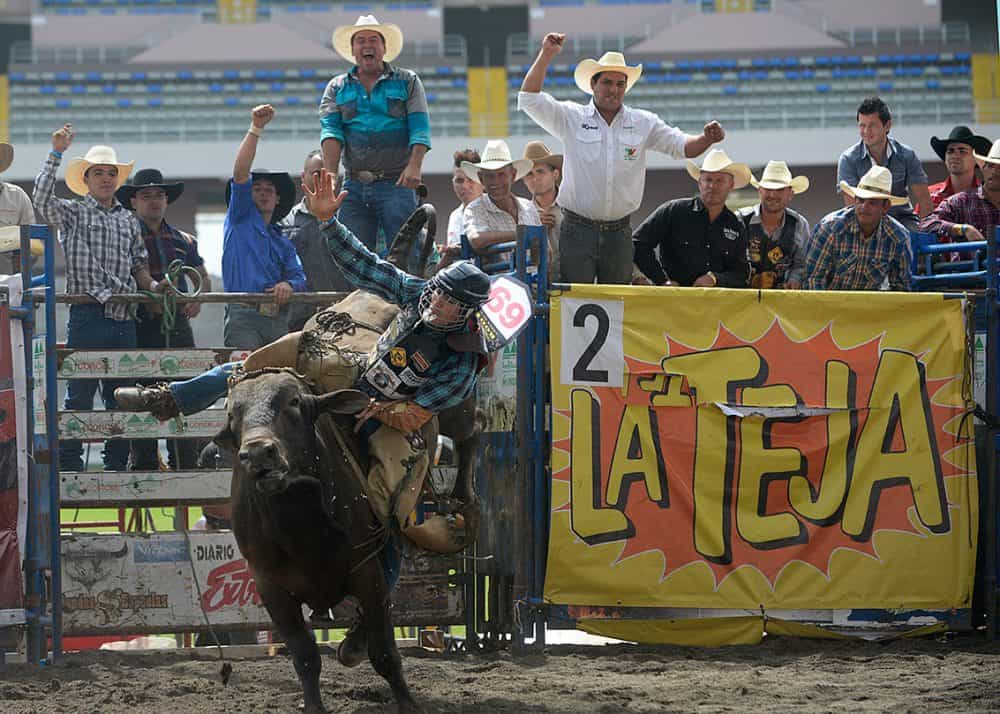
[(604, 169)]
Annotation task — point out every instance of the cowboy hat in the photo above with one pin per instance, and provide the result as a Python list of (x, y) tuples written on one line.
[(537, 152), (96, 156), (148, 178), (960, 135), (877, 183), (718, 160), (6, 156), (283, 184), (776, 176), (496, 155), (392, 35), (993, 157), (609, 62)]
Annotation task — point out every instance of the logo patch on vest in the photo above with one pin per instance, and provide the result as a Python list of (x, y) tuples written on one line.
[(730, 233), (397, 355), (420, 361)]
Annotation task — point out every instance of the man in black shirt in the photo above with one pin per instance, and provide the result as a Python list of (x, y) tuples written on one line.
[(701, 242)]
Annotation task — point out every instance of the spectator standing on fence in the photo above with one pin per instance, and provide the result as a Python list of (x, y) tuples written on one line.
[(971, 215), (776, 235), (256, 256), (309, 238), (543, 184), (374, 117), (605, 143), (957, 152), (15, 210), (697, 242), (494, 217), (877, 148), (105, 256), (861, 247), (148, 195)]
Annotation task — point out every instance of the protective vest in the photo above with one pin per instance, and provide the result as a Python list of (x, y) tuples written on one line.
[(770, 258), (403, 357)]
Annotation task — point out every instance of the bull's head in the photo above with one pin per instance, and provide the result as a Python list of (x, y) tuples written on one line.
[(270, 426)]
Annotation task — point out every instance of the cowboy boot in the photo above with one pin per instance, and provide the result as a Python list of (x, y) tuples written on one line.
[(156, 399), (353, 649)]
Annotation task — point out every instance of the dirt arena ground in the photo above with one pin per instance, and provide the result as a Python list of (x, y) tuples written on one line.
[(958, 674)]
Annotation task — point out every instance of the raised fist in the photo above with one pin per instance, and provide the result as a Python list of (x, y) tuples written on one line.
[(714, 132), (261, 115), (62, 138), (552, 43)]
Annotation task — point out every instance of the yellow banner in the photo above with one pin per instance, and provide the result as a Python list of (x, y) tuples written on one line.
[(739, 449)]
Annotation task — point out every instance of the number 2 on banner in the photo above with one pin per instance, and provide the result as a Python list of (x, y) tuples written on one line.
[(591, 342)]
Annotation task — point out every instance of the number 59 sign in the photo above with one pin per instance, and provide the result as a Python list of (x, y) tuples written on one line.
[(506, 313)]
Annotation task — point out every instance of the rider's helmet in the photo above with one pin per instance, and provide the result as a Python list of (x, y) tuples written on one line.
[(451, 297)]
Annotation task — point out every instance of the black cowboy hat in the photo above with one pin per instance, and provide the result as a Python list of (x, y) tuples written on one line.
[(282, 183), (148, 178), (961, 135)]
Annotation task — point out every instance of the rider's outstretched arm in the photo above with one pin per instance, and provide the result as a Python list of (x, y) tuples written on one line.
[(367, 271)]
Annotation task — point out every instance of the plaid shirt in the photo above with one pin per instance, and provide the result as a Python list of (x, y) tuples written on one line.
[(103, 245), (451, 379), (166, 246), (969, 207), (841, 258)]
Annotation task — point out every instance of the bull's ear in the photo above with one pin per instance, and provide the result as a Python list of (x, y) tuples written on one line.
[(226, 440), (342, 401)]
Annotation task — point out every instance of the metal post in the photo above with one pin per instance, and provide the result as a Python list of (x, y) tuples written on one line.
[(52, 433), (993, 400)]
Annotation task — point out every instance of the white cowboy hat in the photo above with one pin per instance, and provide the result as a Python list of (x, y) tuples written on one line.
[(609, 62), (495, 156), (777, 176), (991, 158), (877, 183), (718, 160), (392, 35), (96, 155)]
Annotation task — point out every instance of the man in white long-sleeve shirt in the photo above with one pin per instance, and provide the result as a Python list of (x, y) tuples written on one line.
[(605, 159)]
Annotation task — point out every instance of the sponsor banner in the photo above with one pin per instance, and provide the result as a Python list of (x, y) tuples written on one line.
[(13, 455), (150, 583), (97, 489), (128, 364), (129, 425), (38, 372), (497, 390), (748, 449)]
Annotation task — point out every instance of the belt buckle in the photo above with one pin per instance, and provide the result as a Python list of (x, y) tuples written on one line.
[(367, 176)]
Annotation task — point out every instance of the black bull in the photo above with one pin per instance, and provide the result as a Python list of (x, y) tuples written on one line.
[(302, 522), (299, 516)]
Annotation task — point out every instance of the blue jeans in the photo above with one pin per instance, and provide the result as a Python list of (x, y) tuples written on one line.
[(587, 253), (201, 392), (370, 205), (89, 329), (246, 328)]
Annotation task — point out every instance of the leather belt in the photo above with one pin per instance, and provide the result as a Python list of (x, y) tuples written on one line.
[(372, 176), (603, 226)]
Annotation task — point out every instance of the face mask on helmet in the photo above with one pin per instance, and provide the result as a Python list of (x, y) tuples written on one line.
[(441, 311)]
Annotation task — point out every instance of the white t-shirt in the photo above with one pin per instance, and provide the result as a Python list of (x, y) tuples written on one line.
[(455, 226)]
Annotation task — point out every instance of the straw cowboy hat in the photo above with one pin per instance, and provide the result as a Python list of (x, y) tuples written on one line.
[(776, 176), (960, 135), (877, 183), (991, 158), (609, 62), (148, 178), (392, 35), (538, 152), (718, 161), (496, 155), (6, 156), (95, 156)]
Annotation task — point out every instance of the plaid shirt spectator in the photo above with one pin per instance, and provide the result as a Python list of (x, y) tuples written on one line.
[(168, 245), (841, 258), (452, 379), (103, 245), (969, 207), (943, 189)]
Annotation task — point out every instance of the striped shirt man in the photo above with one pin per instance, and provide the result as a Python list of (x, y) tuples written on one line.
[(103, 245), (840, 257)]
